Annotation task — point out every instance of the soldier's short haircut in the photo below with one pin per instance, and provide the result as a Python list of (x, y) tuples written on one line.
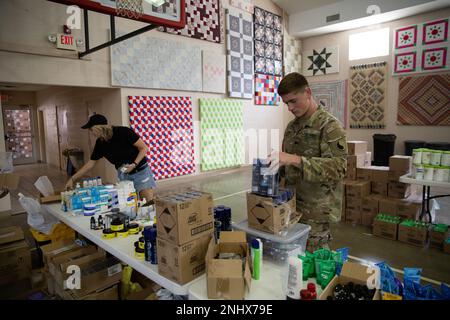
[(291, 83)]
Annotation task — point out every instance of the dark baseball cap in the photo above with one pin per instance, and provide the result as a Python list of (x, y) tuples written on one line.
[(95, 120)]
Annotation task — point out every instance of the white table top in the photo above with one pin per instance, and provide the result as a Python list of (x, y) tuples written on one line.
[(407, 179), (271, 285), (122, 248)]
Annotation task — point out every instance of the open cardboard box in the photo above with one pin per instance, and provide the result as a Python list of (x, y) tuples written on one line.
[(264, 215), (56, 197), (228, 278), (351, 272)]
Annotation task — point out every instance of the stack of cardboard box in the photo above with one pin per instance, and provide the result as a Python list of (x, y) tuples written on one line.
[(370, 190), (184, 229), (357, 158), (80, 273), (15, 262)]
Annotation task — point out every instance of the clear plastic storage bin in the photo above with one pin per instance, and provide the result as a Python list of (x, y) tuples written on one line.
[(278, 248)]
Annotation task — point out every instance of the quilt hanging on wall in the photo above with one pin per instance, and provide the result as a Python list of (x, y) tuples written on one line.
[(214, 72), (332, 96), (246, 5), (155, 63), (203, 21), (367, 95), (424, 100), (266, 90), (222, 133), (320, 62), (421, 48), (165, 125), (268, 42), (239, 33), (292, 57)]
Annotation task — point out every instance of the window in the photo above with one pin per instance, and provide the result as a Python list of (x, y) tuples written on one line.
[(368, 44)]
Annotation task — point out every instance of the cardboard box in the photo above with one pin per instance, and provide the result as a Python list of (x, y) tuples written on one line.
[(380, 174), (399, 190), (437, 239), (357, 147), (353, 216), (351, 272), (6, 219), (379, 188), (388, 206), (182, 263), (369, 209), (351, 174), (394, 176), (11, 234), (97, 272), (55, 248), (357, 189), (412, 235), (56, 197), (111, 293), (266, 216), (408, 209), (56, 265), (364, 174), (149, 288), (228, 278), (183, 222), (447, 247), (400, 163), (356, 161), (385, 230), (15, 262)]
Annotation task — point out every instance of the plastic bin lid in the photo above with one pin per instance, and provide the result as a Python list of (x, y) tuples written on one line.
[(297, 231)]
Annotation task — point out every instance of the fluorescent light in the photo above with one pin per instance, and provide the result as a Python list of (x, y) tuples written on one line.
[(156, 3), (368, 44)]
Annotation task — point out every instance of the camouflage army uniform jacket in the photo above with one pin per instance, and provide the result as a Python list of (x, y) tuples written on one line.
[(322, 145)]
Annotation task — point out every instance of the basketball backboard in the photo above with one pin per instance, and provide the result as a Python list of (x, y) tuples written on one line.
[(170, 13)]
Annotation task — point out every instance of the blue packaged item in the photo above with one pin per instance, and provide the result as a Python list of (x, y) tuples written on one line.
[(344, 255), (264, 181), (150, 244), (255, 175)]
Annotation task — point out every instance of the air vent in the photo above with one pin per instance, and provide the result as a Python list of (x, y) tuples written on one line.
[(334, 17)]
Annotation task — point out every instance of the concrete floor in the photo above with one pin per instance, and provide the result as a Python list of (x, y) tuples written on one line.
[(229, 188)]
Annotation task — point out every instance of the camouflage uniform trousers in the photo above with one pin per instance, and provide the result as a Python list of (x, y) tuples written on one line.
[(319, 235)]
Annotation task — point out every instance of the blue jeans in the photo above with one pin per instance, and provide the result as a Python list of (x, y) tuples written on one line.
[(142, 179)]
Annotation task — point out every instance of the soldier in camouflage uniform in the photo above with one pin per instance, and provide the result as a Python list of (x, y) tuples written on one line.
[(314, 156)]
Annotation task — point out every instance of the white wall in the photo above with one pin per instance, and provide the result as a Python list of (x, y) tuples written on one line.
[(427, 133)]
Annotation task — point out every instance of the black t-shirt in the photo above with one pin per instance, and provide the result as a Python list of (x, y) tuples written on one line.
[(120, 149)]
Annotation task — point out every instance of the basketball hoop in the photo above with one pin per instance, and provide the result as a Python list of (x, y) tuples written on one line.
[(129, 8)]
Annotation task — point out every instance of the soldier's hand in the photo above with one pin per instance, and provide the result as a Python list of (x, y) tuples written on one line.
[(283, 159)]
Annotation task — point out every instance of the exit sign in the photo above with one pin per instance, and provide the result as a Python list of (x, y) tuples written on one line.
[(66, 42)]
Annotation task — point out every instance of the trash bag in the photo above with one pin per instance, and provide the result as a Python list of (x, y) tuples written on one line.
[(37, 217)]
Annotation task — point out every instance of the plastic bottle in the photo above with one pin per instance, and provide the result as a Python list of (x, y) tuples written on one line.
[(295, 278), (99, 181), (256, 259)]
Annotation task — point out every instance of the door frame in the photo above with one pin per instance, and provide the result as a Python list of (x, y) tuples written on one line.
[(33, 131)]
